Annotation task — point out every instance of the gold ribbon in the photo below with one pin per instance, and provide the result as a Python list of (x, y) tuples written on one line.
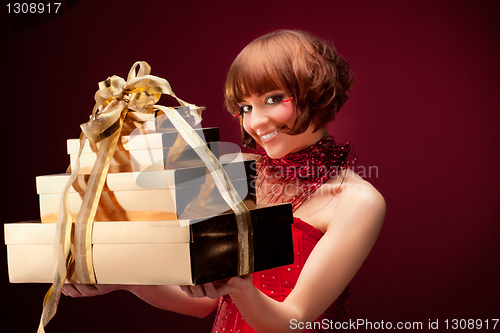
[(114, 99)]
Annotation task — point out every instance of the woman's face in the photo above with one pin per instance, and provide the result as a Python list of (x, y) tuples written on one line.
[(266, 117)]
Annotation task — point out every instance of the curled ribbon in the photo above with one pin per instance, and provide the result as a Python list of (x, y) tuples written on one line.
[(114, 99)]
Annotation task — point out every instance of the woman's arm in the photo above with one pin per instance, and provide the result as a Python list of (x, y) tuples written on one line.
[(356, 219), (170, 298)]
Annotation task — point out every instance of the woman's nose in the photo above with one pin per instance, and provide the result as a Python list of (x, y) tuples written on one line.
[(259, 118)]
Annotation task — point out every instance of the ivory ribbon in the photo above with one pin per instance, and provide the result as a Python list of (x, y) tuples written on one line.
[(114, 98)]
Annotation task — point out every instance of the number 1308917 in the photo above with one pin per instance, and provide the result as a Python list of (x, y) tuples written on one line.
[(33, 8)]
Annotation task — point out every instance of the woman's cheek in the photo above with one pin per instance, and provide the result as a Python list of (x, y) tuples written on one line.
[(247, 126)]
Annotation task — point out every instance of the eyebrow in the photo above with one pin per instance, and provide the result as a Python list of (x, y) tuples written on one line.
[(273, 92), (267, 94), (279, 91)]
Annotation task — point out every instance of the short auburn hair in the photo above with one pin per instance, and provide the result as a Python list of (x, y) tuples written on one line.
[(308, 68)]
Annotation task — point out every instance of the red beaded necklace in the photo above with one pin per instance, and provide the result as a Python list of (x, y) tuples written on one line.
[(303, 171)]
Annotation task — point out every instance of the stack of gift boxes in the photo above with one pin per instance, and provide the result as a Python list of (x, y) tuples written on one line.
[(160, 219)]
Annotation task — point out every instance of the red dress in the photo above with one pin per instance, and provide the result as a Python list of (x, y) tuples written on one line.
[(277, 283)]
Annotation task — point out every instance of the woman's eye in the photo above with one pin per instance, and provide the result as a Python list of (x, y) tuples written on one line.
[(245, 108), (273, 99)]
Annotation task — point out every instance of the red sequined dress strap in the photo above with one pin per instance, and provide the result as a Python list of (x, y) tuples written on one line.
[(277, 283)]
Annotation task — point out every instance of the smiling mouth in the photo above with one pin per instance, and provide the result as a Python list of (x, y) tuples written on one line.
[(270, 135)]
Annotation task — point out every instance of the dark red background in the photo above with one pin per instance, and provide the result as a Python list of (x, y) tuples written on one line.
[(424, 111)]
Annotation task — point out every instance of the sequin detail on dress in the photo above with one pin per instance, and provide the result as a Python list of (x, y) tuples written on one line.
[(277, 283)]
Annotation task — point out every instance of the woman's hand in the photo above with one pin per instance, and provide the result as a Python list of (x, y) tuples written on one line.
[(220, 288), (87, 290)]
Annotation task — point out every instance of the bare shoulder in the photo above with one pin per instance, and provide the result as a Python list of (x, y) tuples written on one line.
[(347, 198), (355, 190)]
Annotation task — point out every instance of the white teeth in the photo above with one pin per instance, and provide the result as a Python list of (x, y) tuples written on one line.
[(267, 136)]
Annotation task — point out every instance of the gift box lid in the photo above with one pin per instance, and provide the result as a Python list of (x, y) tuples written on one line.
[(129, 232), (146, 159), (264, 217), (142, 232), (141, 141), (29, 233), (154, 180)]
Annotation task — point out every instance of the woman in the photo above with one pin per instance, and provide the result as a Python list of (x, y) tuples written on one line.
[(285, 87)]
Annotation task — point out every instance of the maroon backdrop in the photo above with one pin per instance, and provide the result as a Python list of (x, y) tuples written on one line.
[(423, 115)]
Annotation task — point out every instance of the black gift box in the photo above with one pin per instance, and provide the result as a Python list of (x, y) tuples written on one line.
[(214, 243)]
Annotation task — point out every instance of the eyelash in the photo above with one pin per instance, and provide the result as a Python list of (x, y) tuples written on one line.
[(276, 98), (242, 108)]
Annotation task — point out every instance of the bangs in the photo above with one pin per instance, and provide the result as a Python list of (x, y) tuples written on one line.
[(257, 70)]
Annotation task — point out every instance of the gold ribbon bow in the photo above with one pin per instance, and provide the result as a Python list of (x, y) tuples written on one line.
[(114, 99)]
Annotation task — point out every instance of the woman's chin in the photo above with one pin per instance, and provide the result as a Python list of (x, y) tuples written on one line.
[(275, 154)]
